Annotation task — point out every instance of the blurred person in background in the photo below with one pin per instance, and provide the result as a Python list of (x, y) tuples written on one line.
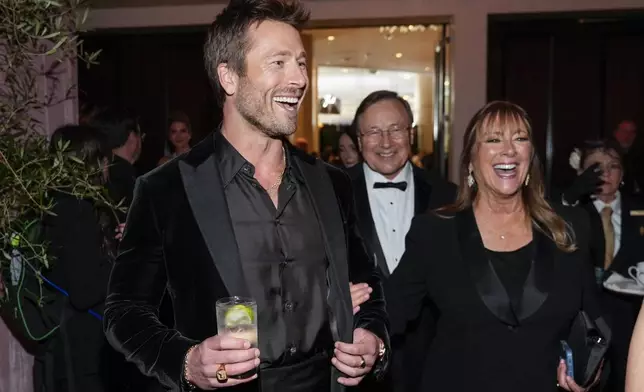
[(633, 161), (617, 242), (82, 241), (125, 141), (348, 150), (179, 136)]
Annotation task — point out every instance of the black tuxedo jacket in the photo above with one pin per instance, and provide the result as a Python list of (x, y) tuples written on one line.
[(482, 342), (631, 247), (179, 237), (430, 193), (408, 350)]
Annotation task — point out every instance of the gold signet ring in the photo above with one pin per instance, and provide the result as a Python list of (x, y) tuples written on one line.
[(221, 374)]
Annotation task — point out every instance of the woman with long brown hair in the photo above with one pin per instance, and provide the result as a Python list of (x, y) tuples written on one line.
[(507, 271)]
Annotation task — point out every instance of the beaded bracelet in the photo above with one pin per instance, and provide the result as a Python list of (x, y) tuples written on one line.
[(186, 374)]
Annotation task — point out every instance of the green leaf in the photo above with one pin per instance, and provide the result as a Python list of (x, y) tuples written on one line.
[(58, 45), (52, 35), (76, 159)]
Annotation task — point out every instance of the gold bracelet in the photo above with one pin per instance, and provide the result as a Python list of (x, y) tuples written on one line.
[(186, 374)]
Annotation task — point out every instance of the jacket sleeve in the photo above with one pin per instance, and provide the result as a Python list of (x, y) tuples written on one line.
[(135, 290), (362, 269)]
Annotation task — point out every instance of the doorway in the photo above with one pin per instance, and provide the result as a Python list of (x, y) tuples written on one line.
[(349, 63)]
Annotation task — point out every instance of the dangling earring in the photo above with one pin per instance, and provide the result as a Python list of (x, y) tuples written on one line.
[(527, 179), (470, 180)]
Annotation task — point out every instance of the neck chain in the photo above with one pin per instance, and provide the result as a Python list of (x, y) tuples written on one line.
[(273, 188)]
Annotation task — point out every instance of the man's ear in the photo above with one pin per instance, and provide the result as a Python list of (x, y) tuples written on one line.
[(227, 78)]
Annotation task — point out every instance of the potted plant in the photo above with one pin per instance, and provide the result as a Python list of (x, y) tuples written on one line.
[(40, 40)]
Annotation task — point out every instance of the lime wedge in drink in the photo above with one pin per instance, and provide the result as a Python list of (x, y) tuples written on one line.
[(238, 315)]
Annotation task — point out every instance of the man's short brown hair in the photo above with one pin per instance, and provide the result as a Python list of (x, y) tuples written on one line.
[(227, 36)]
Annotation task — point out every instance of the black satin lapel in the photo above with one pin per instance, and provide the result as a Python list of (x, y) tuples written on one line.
[(367, 225), (487, 283), (422, 192), (539, 280), (206, 197), (326, 207)]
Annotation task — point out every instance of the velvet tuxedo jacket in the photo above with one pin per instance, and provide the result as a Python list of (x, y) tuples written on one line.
[(179, 236)]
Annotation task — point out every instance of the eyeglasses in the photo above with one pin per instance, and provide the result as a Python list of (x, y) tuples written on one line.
[(395, 133)]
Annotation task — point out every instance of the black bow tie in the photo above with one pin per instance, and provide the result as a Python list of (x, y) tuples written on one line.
[(402, 185)]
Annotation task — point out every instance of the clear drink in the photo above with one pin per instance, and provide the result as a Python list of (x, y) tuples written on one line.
[(237, 317)]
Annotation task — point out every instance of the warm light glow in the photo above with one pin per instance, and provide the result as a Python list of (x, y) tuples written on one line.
[(398, 55), (427, 69), (330, 38), (345, 70), (406, 97)]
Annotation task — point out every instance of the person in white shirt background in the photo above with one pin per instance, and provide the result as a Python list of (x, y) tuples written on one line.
[(389, 192), (617, 244)]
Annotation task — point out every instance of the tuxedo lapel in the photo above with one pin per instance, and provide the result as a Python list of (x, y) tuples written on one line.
[(366, 223), (488, 285), (205, 193), (539, 280), (422, 191), (328, 212)]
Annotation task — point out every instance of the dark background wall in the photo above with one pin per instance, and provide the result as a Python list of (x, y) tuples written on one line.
[(577, 77), (151, 73)]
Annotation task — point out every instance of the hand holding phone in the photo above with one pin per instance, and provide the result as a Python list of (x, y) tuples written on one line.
[(566, 355)]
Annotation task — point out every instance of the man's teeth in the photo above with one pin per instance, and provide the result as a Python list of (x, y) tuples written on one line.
[(291, 100), (505, 167)]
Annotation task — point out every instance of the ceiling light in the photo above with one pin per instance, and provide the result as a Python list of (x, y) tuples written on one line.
[(398, 55), (427, 69), (345, 70), (331, 38)]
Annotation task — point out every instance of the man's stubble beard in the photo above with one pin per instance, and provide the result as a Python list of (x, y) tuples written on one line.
[(249, 106)]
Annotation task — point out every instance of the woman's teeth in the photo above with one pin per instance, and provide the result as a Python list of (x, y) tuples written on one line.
[(510, 166)]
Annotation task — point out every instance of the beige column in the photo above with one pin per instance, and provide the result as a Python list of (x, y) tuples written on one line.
[(425, 120), (469, 56), (306, 119)]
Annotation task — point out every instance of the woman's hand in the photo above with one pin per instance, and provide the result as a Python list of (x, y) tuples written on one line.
[(119, 231), (359, 294), (568, 384)]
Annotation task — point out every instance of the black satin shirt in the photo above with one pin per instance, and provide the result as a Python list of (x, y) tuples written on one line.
[(283, 258)]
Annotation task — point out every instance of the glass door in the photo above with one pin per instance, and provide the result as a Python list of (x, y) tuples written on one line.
[(442, 102)]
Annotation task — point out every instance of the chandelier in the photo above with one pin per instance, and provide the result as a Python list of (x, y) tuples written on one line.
[(388, 32)]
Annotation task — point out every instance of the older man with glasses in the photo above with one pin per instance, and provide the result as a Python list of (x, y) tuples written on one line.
[(389, 192)]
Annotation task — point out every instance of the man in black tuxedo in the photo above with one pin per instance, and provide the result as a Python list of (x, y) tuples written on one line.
[(390, 190), (246, 214)]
